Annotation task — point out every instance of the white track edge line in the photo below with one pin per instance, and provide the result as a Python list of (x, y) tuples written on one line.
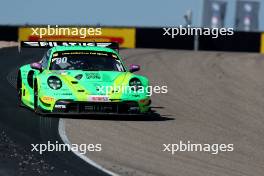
[(65, 140)]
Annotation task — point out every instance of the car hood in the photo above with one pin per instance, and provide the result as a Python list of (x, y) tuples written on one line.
[(92, 82), (91, 76)]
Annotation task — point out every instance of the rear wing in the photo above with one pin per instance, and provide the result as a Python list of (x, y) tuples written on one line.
[(50, 44)]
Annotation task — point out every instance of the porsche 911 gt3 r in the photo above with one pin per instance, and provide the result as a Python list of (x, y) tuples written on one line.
[(82, 79)]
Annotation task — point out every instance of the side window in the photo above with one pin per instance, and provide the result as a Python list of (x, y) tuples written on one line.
[(44, 60)]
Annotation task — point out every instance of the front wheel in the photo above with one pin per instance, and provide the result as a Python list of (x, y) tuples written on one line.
[(36, 107), (19, 89)]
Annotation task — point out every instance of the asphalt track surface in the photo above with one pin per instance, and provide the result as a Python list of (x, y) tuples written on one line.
[(20, 127), (213, 97)]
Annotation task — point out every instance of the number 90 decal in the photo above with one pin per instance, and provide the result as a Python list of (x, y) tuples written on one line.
[(60, 60)]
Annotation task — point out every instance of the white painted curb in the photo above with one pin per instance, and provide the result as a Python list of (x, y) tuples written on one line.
[(65, 139)]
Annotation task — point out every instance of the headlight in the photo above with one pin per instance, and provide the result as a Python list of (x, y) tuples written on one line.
[(135, 83), (54, 82)]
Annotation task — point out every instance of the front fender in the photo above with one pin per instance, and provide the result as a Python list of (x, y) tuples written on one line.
[(27, 82)]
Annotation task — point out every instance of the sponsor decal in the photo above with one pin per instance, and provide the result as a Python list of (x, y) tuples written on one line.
[(60, 43), (47, 99), (60, 106), (124, 36), (98, 98), (93, 76)]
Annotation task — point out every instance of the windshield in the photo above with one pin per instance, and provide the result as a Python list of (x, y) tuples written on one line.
[(86, 60)]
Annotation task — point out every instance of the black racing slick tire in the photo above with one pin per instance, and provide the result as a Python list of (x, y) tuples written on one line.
[(36, 107), (19, 89)]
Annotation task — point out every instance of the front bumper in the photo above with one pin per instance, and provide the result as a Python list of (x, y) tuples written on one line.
[(99, 108)]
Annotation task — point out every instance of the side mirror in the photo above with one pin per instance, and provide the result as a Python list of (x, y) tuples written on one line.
[(134, 68), (36, 65)]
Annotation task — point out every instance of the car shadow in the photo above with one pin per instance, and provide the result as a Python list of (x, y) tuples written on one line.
[(153, 116)]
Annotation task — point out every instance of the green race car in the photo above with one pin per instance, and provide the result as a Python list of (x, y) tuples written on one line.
[(82, 79)]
